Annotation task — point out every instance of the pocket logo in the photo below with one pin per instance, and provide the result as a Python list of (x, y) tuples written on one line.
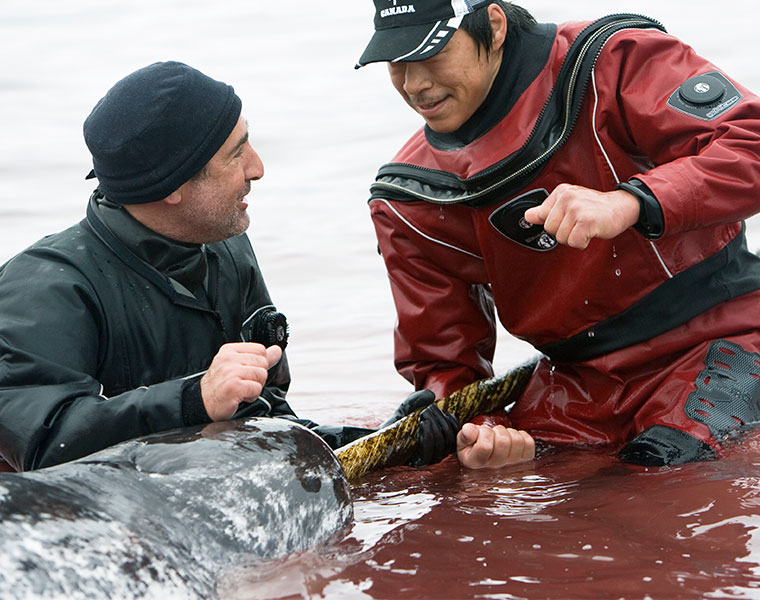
[(509, 221)]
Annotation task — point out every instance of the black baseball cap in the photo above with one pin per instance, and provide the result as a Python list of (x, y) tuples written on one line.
[(412, 30)]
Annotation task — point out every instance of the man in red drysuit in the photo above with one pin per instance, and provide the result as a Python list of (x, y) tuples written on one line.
[(588, 182)]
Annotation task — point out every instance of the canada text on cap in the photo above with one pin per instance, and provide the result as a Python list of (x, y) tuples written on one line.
[(412, 30)]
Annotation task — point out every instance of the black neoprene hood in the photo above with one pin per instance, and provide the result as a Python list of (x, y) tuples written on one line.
[(157, 128)]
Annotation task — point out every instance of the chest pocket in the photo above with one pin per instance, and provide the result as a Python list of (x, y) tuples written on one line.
[(509, 221)]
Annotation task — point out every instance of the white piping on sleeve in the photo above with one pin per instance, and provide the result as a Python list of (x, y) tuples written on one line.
[(662, 262), (424, 235), (614, 173), (596, 133)]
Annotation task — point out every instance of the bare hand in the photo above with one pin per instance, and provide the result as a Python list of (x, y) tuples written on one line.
[(483, 447), (237, 374), (575, 215)]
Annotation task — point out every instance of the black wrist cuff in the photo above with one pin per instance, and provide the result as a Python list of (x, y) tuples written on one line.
[(193, 409), (651, 223)]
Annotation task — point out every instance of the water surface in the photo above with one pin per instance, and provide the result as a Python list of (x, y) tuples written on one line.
[(573, 525)]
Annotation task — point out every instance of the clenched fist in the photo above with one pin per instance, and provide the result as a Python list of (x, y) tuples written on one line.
[(484, 447), (575, 215), (237, 374)]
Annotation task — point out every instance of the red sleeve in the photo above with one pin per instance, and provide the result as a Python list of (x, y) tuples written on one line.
[(445, 334), (493, 419), (703, 172)]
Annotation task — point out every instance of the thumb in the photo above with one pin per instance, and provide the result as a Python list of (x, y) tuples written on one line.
[(467, 436), (536, 215), (274, 354)]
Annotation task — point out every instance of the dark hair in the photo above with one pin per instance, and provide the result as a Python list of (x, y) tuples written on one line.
[(478, 25)]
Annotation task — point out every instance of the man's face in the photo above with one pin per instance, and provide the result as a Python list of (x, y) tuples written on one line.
[(449, 87), (213, 206)]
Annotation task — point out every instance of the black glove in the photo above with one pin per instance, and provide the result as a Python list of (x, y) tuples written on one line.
[(437, 434), (414, 401), (437, 437), (334, 435), (337, 436)]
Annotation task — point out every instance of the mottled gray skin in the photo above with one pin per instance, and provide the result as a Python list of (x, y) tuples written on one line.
[(163, 516)]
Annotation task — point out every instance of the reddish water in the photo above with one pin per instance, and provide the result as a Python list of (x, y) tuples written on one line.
[(572, 525)]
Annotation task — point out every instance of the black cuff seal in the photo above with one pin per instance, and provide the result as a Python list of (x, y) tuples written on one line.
[(193, 409), (651, 223)]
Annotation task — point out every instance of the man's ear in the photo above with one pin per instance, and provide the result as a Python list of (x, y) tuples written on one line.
[(175, 197), (498, 26)]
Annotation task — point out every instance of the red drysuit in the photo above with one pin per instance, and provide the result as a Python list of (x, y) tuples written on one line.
[(626, 323)]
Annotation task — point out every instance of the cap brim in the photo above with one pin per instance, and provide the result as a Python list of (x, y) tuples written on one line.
[(407, 44)]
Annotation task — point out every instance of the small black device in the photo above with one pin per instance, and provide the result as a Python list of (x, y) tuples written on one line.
[(509, 221), (267, 327)]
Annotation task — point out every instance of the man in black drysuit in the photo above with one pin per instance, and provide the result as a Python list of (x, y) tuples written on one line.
[(151, 313)]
